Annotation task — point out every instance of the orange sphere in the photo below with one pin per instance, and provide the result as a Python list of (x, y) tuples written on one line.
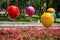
[(51, 10), (47, 19)]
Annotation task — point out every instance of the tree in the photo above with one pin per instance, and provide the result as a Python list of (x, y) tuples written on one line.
[(22, 4), (3, 5), (47, 3)]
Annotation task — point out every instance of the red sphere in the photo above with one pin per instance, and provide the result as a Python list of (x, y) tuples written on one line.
[(13, 11)]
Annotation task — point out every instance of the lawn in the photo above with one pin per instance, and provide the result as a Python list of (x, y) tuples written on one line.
[(58, 20), (26, 19), (21, 19)]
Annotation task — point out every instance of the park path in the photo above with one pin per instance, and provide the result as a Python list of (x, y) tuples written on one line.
[(24, 24)]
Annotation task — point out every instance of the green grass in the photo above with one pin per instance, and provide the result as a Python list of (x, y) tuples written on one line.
[(58, 20), (4, 18), (27, 19)]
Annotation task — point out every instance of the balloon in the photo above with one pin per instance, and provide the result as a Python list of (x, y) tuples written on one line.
[(47, 20), (13, 11), (54, 16), (30, 10), (51, 10)]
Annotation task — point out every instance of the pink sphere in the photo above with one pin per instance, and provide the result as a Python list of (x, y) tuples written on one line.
[(30, 10)]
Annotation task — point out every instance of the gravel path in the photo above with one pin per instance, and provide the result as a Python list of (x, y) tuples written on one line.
[(24, 24)]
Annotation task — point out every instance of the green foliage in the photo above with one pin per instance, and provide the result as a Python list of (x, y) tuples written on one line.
[(12, 2), (4, 5), (22, 3), (51, 3), (36, 4)]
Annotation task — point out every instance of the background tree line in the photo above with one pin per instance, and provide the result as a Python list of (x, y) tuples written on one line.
[(22, 4)]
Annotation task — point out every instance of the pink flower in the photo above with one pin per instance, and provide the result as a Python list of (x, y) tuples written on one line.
[(54, 35), (6, 38), (11, 31), (0, 39), (20, 38), (18, 32), (42, 32), (30, 32)]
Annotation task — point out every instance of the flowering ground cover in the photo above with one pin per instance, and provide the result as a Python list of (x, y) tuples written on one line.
[(29, 34)]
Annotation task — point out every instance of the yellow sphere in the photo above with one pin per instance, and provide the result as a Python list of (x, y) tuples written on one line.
[(47, 19), (51, 10)]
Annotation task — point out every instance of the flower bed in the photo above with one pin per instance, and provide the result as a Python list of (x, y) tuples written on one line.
[(29, 34)]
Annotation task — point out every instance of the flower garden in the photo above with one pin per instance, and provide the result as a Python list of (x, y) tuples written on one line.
[(29, 34), (47, 19)]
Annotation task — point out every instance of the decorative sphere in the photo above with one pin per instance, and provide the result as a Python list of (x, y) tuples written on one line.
[(13, 11), (51, 10), (30, 10), (47, 19)]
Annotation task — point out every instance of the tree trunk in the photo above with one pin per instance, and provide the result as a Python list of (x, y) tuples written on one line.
[(16, 3), (41, 7), (7, 3), (47, 3)]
